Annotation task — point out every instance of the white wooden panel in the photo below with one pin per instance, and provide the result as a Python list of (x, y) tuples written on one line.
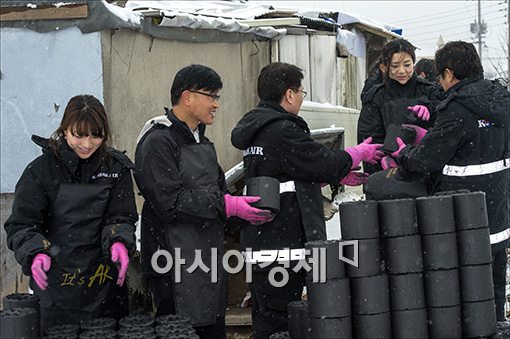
[(351, 75), (324, 116), (342, 82), (323, 74), (294, 50), (275, 50)]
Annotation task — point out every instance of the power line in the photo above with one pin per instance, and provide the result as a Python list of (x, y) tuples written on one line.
[(440, 29), (430, 19), (448, 29), (496, 49), (445, 21), (438, 14), (463, 34), (457, 29), (449, 15), (492, 24)]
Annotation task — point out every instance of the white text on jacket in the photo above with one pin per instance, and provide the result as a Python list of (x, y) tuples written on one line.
[(254, 150)]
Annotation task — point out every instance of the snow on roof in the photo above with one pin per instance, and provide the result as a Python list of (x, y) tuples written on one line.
[(225, 9), (353, 18), (104, 15), (42, 3), (344, 18), (179, 19), (225, 16), (101, 15)]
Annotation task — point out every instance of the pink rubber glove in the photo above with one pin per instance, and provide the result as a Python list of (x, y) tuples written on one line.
[(354, 179), (40, 265), (420, 133), (120, 257), (239, 206), (421, 111), (365, 152), (388, 162), (401, 146)]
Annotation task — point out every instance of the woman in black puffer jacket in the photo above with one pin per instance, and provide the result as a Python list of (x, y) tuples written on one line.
[(402, 97), (72, 222)]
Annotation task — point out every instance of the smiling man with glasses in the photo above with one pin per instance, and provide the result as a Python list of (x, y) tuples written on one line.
[(186, 205)]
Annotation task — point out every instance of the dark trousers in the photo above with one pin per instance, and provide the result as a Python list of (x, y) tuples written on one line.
[(162, 293), (499, 262), (269, 303), (161, 290)]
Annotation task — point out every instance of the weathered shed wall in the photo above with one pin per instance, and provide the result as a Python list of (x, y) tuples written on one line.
[(138, 74)]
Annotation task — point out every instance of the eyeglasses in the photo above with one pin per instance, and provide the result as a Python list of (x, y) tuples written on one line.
[(439, 75), (214, 97), (300, 90)]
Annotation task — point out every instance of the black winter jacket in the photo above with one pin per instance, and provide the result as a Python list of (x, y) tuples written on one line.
[(373, 80), (278, 144), (472, 128), (167, 202), (384, 105), (37, 189)]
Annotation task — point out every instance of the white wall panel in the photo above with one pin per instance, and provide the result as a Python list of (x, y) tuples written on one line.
[(40, 72), (323, 74), (294, 49)]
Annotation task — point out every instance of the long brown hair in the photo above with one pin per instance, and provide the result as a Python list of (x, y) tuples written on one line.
[(85, 115)]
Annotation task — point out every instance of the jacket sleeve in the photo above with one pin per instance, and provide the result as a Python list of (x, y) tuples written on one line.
[(222, 184), (432, 97), (370, 124), (437, 147), (121, 215), (309, 161), (157, 176), (25, 226)]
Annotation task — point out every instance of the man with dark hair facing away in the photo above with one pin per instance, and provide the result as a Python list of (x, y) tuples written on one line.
[(426, 69), (285, 151), (468, 146), (185, 205)]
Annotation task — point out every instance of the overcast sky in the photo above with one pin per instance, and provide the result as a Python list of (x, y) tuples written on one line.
[(424, 21)]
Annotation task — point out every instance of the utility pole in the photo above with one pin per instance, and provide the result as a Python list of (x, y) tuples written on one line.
[(480, 29), (508, 44)]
